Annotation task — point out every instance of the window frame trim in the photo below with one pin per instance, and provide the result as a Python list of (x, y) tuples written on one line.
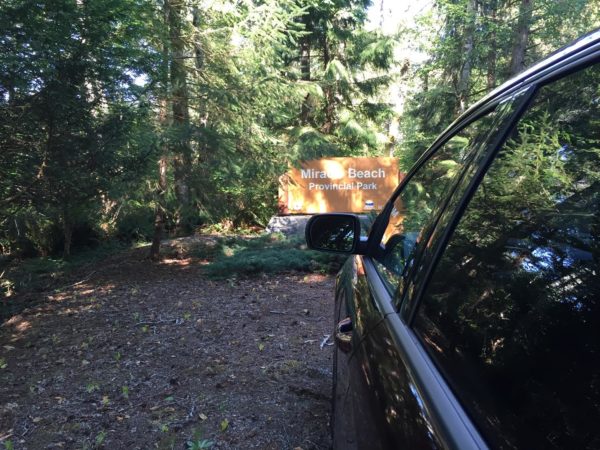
[(383, 219), (407, 303), (407, 318), (450, 418), (577, 62), (543, 73), (374, 248)]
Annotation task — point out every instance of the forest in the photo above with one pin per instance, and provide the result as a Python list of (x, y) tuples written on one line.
[(142, 305), (134, 120)]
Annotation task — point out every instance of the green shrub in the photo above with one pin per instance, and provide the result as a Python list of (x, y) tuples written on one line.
[(135, 223), (274, 253), (30, 233)]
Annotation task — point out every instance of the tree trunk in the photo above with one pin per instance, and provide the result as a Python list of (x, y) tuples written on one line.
[(468, 46), (328, 90), (182, 150), (163, 120), (67, 233), (521, 37), (493, 45), (159, 211), (198, 51), (305, 75)]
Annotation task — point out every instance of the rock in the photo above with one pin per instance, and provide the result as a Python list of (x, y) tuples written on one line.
[(288, 225)]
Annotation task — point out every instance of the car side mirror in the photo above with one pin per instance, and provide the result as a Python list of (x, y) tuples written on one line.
[(339, 233)]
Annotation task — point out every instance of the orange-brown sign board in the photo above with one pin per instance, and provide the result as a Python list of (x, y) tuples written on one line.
[(338, 185)]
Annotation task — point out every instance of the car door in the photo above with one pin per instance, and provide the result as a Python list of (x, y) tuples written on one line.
[(378, 401), (509, 313)]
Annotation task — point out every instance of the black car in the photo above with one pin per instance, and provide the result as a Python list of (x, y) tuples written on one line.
[(469, 316)]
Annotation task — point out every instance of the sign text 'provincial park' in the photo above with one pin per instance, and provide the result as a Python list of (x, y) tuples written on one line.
[(354, 185)]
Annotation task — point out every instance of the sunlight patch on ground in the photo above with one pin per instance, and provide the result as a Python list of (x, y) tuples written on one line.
[(61, 296), (19, 325), (75, 311), (314, 278), (87, 292), (177, 262), (23, 326), (105, 288)]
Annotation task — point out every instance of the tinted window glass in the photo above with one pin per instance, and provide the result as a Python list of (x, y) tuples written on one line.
[(423, 196), (512, 313)]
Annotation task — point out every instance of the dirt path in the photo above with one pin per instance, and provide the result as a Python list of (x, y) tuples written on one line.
[(146, 355)]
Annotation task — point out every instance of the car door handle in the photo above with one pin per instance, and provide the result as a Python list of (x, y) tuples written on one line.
[(343, 335)]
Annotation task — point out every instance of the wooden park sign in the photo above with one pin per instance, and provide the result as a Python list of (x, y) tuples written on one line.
[(354, 185)]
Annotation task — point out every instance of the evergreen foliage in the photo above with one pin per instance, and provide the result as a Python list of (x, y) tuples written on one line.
[(69, 115), (474, 46), (222, 97), (234, 257)]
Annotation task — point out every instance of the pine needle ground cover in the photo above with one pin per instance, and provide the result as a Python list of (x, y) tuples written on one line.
[(137, 354)]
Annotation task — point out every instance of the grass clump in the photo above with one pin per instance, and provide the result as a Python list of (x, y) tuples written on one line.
[(272, 253)]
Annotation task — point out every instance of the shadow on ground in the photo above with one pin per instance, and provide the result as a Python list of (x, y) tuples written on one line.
[(154, 355)]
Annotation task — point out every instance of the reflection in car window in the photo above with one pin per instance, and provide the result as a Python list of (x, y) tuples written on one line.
[(512, 313), (366, 223), (423, 196)]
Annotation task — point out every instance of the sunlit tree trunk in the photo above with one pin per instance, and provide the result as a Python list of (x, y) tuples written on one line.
[(163, 162)]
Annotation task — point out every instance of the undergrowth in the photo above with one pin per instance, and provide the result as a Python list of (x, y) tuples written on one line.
[(272, 253), (42, 273)]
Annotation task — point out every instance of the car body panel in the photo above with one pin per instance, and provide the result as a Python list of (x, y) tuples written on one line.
[(388, 392), (360, 412)]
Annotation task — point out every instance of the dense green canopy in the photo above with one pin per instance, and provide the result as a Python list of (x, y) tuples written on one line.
[(131, 118)]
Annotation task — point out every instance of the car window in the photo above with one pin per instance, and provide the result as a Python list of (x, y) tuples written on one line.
[(423, 196), (512, 312)]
